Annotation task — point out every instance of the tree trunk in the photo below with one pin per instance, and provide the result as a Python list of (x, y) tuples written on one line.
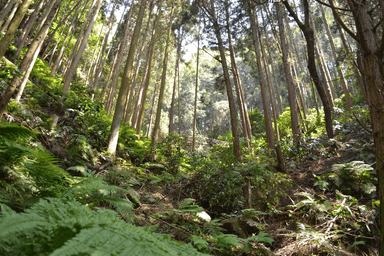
[(80, 36), (338, 67), (6, 40), (10, 16), (101, 60), (310, 38), (263, 86), (372, 58), (231, 101), (171, 111), (148, 73), (133, 90), (120, 54), (40, 37), (83, 44), (156, 128), (127, 77), (25, 32), (351, 62), (6, 10), (295, 123), (29, 59), (246, 124), (196, 89)]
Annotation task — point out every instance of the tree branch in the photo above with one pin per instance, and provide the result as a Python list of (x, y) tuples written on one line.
[(293, 14), (342, 24)]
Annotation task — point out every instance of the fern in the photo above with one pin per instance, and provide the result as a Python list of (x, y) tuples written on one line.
[(15, 132), (56, 227)]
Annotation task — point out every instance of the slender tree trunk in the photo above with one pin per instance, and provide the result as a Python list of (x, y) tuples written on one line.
[(127, 76), (29, 59), (10, 16), (196, 89), (325, 79), (6, 10), (171, 111), (309, 36), (83, 44), (151, 114), (338, 67), (6, 40), (237, 81), (295, 123), (41, 36), (120, 54), (351, 61), (231, 101), (132, 93), (101, 60), (25, 32), (63, 21), (263, 86), (156, 128), (92, 62), (148, 76), (80, 37)]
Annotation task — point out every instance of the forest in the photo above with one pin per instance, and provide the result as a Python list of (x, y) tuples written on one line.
[(191, 127)]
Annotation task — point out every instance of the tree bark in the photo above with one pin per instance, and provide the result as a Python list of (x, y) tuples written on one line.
[(10, 16), (295, 123), (338, 67), (127, 76), (196, 89), (6, 40), (231, 101), (263, 86), (6, 10), (120, 54), (83, 44), (148, 76), (310, 38), (178, 55), (29, 59), (156, 128), (246, 124)]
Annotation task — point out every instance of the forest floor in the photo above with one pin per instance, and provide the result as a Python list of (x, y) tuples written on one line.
[(159, 201), (282, 225)]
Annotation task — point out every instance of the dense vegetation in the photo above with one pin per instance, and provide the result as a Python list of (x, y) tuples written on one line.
[(187, 151)]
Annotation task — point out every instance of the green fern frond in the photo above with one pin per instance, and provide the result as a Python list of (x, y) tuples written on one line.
[(56, 227), (15, 132)]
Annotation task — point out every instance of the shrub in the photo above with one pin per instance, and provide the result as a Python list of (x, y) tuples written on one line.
[(351, 178)]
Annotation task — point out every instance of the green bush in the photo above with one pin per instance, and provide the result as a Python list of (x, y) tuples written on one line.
[(220, 182), (171, 153), (351, 178)]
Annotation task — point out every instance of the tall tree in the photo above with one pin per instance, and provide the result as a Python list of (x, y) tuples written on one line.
[(196, 89), (147, 78), (246, 124), (338, 67), (371, 44), (156, 128), (263, 85), (307, 29), (210, 11), (178, 55), (288, 76), (29, 58), (84, 41), (19, 15), (127, 77)]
